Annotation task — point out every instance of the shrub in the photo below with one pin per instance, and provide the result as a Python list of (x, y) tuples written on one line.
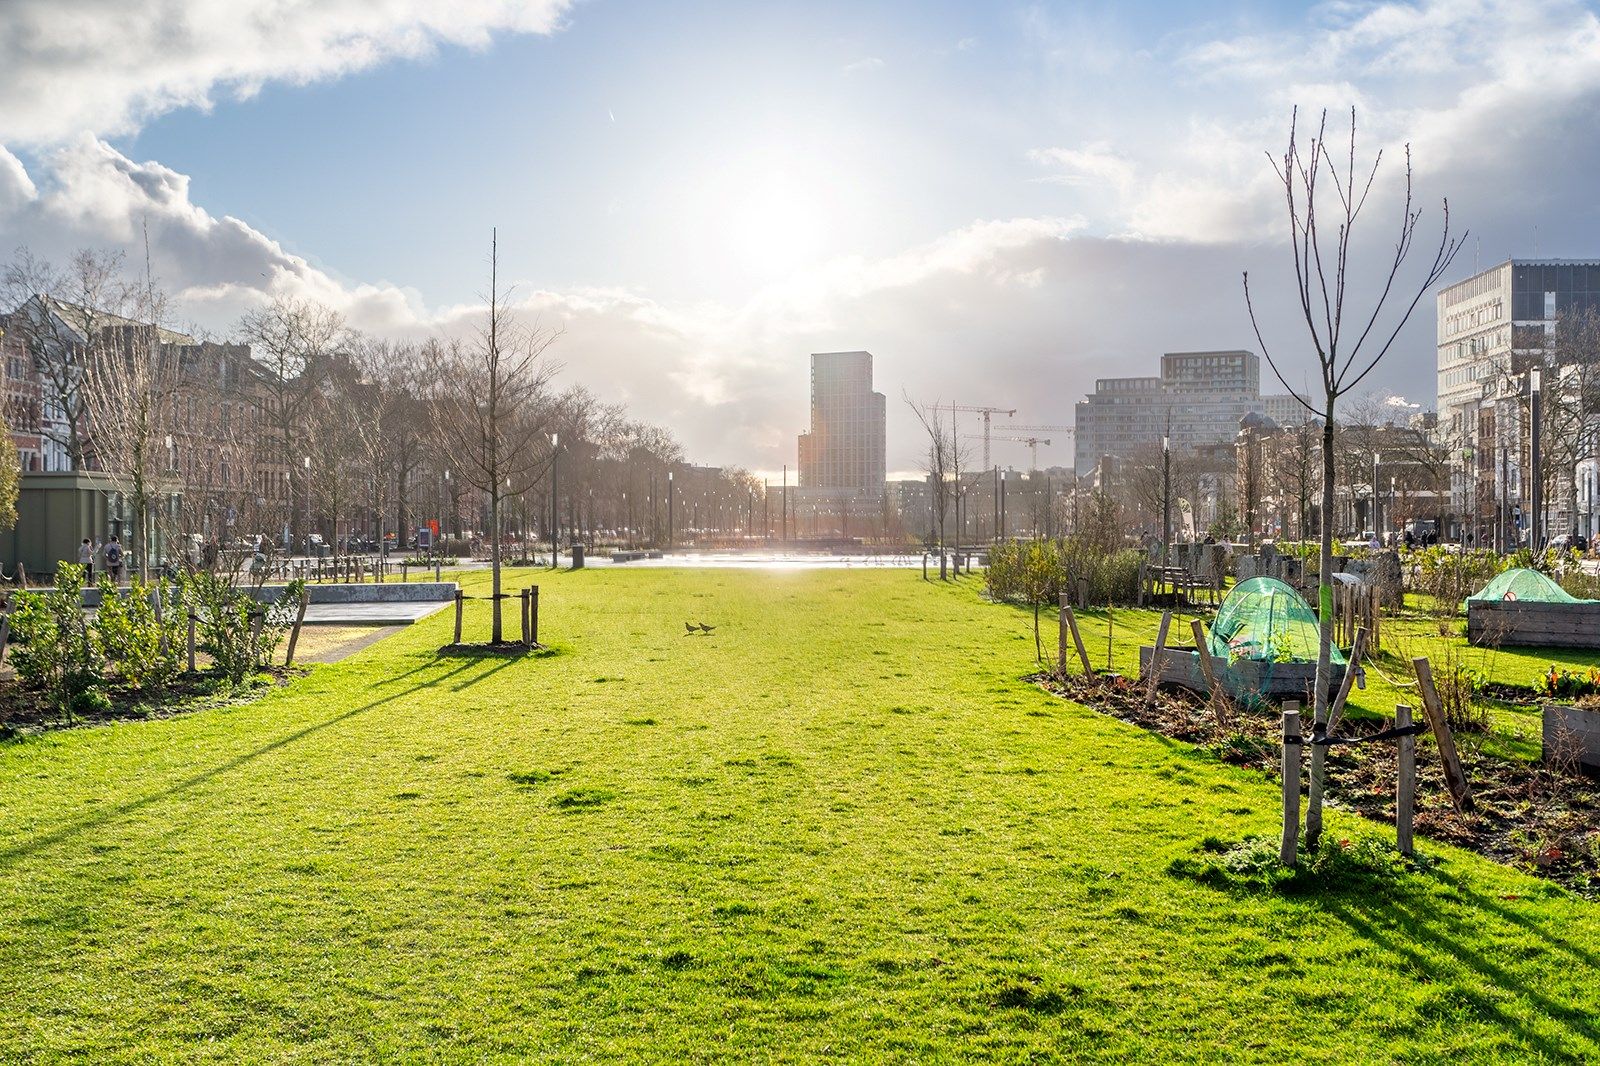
[(145, 645), (227, 620), (55, 653)]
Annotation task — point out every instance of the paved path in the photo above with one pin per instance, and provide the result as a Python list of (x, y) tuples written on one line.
[(372, 614)]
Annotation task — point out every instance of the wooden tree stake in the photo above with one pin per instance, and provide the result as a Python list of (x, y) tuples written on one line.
[(1292, 741), (191, 642), (1154, 681), (1454, 777), (294, 633), (533, 615), (1405, 786), (1319, 752), (1077, 640), (458, 616)]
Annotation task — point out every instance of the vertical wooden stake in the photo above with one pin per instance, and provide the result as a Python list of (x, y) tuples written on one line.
[(1061, 636), (1454, 777), (294, 633), (522, 605), (191, 641), (1319, 752), (1289, 848), (1155, 659), (1405, 786), (533, 615), (458, 616), (5, 634), (1077, 640)]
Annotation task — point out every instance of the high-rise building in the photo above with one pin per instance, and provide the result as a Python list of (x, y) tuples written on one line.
[(1198, 400), (1492, 327), (844, 453)]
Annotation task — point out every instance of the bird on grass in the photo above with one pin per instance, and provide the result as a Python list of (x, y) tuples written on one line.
[(705, 628), (690, 629)]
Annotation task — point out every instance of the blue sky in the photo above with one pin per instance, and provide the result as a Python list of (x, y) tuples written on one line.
[(1002, 202), (597, 150)]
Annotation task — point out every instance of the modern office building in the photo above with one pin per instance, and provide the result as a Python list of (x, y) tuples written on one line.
[(844, 453), (1197, 400), (1492, 327)]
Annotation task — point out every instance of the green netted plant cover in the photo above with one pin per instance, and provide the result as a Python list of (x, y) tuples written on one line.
[(1265, 620), (1527, 586)]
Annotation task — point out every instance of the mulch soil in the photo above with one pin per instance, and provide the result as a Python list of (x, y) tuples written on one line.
[(1539, 818), (24, 711)]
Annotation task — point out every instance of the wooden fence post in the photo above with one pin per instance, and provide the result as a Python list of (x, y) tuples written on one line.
[(1155, 659), (522, 614), (533, 615), (1358, 651), (1405, 786), (294, 634), (458, 616), (1289, 848), (1454, 777), (191, 642)]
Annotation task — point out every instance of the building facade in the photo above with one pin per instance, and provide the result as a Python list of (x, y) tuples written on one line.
[(1197, 400), (1492, 328), (844, 452)]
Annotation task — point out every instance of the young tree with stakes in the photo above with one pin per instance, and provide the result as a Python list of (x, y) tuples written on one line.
[(490, 402), (1347, 349)]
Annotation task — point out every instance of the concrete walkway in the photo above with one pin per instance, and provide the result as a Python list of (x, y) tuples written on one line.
[(372, 614)]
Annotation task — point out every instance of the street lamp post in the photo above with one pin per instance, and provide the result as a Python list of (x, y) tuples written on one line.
[(1166, 496), (1536, 490), (555, 501), (670, 494), (305, 464)]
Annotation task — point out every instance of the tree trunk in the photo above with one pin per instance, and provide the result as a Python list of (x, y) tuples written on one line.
[(494, 558), (1325, 633)]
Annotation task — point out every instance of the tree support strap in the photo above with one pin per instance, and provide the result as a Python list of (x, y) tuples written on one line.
[(1320, 739)]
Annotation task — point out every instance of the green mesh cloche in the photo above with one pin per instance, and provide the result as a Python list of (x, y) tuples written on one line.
[(1267, 621), (1527, 586)]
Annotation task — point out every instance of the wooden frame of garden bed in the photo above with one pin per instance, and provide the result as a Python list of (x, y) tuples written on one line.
[(1515, 623), (1243, 678)]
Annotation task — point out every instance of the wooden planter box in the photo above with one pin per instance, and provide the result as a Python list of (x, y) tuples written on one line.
[(1245, 678), (1510, 623), (1565, 725)]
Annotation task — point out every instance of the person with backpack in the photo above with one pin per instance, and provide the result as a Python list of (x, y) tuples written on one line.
[(114, 561)]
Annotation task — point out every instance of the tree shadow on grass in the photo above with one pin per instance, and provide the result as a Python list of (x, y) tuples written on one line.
[(1579, 1036), (56, 836)]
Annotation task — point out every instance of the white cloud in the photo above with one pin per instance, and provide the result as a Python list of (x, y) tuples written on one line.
[(1481, 88), (864, 64), (105, 66)]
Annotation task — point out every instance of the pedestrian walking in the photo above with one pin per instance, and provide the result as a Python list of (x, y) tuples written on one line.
[(114, 560), (86, 559)]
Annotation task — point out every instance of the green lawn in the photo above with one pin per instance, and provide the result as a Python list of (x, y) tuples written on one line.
[(840, 827)]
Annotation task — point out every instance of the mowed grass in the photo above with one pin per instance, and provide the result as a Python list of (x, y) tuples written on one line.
[(840, 827)]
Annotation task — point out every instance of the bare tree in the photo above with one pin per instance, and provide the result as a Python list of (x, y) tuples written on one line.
[(1344, 358), (939, 462), (130, 384), (60, 316), (490, 404), (294, 343)]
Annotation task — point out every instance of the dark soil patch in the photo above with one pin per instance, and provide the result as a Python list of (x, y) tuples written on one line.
[(504, 647), (24, 711), (1527, 815)]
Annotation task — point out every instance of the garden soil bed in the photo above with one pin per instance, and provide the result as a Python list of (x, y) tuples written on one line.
[(24, 710), (1527, 815)]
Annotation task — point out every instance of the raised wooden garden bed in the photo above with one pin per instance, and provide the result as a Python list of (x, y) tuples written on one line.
[(1513, 623)]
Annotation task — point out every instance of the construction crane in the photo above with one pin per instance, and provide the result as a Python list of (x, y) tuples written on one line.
[(1041, 429), (987, 413), (1032, 443)]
